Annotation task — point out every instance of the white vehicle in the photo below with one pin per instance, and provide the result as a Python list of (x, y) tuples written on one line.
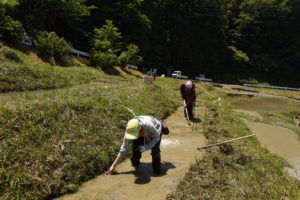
[(177, 74), (202, 78), (132, 67)]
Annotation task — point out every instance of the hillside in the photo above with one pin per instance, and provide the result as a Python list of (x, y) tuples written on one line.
[(54, 140)]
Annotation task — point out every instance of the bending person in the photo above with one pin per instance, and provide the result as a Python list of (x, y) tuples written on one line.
[(145, 133)]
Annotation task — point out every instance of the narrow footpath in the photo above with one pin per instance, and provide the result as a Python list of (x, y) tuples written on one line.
[(178, 151)]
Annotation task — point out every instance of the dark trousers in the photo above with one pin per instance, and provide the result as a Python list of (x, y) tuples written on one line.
[(155, 153), (190, 108)]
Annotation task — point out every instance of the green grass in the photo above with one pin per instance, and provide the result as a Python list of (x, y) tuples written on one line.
[(239, 170), (54, 140), (19, 73)]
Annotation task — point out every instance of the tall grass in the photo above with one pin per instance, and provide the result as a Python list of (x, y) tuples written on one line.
[(52, 141)]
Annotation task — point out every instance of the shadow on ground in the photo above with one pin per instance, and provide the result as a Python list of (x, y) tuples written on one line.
[(144, 172)]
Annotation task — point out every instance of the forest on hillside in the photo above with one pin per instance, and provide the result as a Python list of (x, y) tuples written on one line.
[(221, 38)]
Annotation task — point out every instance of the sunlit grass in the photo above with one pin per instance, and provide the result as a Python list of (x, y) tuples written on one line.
[(239, 170)]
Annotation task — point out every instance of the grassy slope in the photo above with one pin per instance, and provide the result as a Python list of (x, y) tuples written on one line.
[(19, 73), (53, 140), (57, 139), (240, 170)]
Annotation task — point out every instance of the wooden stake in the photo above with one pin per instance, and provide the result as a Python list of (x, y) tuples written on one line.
[(216, 144), (186, 111)]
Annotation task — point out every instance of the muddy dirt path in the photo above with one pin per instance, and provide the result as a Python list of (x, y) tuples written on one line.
[(178, 150), (281, 141)]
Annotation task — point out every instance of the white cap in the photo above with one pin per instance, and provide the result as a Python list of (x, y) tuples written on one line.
[(189, 84)]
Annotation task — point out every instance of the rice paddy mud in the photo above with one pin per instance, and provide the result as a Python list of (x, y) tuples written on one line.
[(281, 141), (277, 139), (178, 151)]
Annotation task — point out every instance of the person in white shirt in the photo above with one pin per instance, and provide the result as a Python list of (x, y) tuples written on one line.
[(145, 133)]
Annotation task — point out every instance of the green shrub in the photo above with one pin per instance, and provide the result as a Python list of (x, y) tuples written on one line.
[(49, 45), (11, 29), (130, 56), (238, 56), (104, 59)]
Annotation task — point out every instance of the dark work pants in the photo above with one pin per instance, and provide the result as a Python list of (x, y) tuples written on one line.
[(190, 109), (155, 153)]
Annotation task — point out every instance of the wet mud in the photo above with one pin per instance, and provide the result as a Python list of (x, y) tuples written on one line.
[(281, 141), (178, 151)]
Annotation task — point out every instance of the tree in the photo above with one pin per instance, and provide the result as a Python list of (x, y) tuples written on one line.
[(11, 29), (196, 35), (261, 29), (130, 56), (61, 16), (106, 43)]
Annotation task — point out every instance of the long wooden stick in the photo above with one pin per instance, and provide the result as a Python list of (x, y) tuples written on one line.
[(216, 144), (186, 111)]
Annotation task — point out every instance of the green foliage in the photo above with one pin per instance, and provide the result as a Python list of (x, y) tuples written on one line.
[(107, 38), (130, 56), (50, 45), (18, 73), (57, 15), (11, 29), (238, 56), (67, 136), (9, 2), (196, 39), (104, 59), (260, 29), (106, 43)]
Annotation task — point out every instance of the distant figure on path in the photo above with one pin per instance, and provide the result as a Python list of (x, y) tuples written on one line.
[(297, 120), (145, 133), (188, 94), (148, 78), (154, 73)]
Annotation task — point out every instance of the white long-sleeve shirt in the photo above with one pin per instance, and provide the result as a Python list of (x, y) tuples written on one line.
[(152, 128)]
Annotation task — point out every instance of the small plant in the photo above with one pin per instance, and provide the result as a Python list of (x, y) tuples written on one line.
[(49, 45)]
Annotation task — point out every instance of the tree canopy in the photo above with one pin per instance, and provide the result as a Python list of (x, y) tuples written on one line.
[(248, 37)]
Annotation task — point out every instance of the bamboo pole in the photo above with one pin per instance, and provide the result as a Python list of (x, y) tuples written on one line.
[(186, 111), (219, 143)]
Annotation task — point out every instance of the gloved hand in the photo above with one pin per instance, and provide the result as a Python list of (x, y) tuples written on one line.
[(142, 149)]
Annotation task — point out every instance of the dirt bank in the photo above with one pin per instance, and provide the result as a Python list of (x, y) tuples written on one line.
[(178, 150)]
